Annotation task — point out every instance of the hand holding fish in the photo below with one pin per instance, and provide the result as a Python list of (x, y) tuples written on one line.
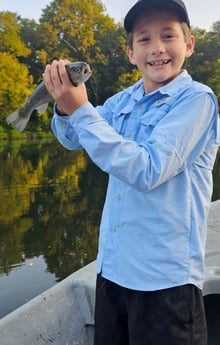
[(65, 84), (68, 97)]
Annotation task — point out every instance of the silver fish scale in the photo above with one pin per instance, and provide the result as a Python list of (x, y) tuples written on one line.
[(78, 72)]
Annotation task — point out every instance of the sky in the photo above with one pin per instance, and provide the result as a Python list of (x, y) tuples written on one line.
[(202, 15)]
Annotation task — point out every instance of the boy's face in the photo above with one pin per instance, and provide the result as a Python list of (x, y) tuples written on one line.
[(159, 48)]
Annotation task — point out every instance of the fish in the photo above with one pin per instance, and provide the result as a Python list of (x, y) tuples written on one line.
[(79, 72)]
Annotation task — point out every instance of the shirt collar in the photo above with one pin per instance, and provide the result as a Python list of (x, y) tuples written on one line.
[(137, 90), (180, 82)]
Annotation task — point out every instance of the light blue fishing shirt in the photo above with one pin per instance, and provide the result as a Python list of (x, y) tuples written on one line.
[(159, 150)]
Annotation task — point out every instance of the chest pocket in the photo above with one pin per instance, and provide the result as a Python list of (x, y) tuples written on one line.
[(122, 118), (150, 119), (137, 123)]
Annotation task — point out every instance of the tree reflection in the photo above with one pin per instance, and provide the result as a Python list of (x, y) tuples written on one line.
[(51, 201), (51, 204)]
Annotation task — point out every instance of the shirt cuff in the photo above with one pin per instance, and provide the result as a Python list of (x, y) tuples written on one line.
[(56, 110), (84, 116)]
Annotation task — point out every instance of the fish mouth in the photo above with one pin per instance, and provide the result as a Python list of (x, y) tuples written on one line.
[(87, 71), (79, 72), (159, 62)]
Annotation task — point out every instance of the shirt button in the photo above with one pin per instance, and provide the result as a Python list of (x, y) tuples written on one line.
[(128, 135), (139, 106), (169, 153), (113, 228), (118, 197)]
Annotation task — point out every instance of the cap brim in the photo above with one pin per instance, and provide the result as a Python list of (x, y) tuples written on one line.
[(142, 6)]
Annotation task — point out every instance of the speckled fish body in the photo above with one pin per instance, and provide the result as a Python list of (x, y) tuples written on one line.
[(79, 72)]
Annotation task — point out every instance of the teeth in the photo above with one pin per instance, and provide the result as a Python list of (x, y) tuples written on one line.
[(158, 63)]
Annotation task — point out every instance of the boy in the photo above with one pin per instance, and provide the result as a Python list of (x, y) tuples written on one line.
[(157, 140)]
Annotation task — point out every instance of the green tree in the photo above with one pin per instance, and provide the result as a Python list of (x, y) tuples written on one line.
[(81, 30), (15, 80), (30, 36), (15, 84), (10, 41), (127, 79), (214, 80), (201, 64), (216, 27), (67, 27)]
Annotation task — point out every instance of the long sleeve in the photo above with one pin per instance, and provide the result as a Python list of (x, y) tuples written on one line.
[(144, 160), (159, 150)]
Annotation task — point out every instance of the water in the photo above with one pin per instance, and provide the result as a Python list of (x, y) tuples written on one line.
[(51, 201)]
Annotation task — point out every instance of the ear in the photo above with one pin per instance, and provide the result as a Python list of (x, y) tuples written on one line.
[(190, 45), (131, 56)]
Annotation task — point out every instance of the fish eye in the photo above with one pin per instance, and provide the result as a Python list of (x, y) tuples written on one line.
[(78, 70)]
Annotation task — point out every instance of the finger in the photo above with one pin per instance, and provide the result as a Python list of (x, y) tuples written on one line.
[(64, 78), (46, 77), (54, 74)]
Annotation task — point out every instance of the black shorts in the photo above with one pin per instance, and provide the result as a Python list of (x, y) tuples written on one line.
[(173, 316)]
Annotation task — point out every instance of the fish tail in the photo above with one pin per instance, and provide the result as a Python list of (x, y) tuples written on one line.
[(19, 121)]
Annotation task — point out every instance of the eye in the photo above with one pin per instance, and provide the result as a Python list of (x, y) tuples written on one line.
[(77, 70), (169, 36), (144, 39)]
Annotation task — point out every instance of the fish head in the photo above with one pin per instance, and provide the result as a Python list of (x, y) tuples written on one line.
[(79, 72)]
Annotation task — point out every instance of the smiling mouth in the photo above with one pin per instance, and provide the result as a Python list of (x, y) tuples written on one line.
[(159, 62)]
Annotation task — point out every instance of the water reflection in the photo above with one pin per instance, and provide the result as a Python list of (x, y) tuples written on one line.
[(25, 281), (51, 201)]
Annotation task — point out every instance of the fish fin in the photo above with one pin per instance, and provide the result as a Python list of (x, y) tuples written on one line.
[(42, 108), (16, 119)]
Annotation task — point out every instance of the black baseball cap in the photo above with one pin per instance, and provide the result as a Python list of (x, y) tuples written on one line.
[(142, 5)]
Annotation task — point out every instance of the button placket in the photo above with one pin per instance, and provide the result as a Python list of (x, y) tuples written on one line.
[(117, 211)]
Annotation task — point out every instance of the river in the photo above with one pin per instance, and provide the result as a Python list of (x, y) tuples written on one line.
[(51, 202)]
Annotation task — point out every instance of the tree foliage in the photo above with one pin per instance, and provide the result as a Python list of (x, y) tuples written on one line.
[(10, 35), (214, 80), (201, 64), (82, 30), (15, 83)]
